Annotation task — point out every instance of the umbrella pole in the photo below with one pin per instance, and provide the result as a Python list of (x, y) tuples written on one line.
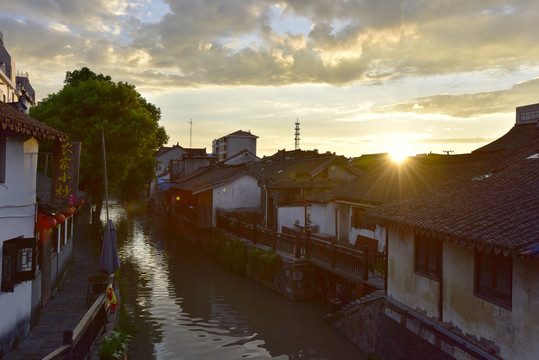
[(105, 168)]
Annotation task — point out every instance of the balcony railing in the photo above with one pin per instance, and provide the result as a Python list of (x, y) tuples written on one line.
[(79, 342), (322, 251)]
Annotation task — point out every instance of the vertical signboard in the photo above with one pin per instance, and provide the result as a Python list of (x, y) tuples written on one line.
[(65, 174)]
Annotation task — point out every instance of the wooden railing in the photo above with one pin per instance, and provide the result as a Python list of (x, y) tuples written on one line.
[(78, 342), (334, 255)]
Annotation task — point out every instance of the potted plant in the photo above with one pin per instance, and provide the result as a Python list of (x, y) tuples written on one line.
[(114, 346)]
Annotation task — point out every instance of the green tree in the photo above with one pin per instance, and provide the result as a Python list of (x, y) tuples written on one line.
[(89, 105)]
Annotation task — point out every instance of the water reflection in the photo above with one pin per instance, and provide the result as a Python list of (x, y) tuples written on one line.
[(184, 305)]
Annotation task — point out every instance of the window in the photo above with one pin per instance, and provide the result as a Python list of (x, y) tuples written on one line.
[(18, 262), (427, 256), (356, 217), (493, 278)]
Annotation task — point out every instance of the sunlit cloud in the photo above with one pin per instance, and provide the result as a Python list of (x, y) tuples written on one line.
[(432, 72), (470, 105)]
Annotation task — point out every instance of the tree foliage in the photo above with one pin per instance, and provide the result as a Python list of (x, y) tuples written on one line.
[(89, 105)]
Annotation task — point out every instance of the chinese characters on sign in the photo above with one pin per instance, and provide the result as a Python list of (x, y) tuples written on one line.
[(66, 173)]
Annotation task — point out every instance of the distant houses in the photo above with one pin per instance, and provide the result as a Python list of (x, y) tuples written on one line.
[(231, 144), (460, 232), (175, 152)]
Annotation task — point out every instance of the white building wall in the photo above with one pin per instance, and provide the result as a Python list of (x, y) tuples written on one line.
[(288, 215), (236, 144), (16, 308), (17, 218), (7, 83), (163, 161), (241, 193), (379, 234), (513, 330), (404, 285), (323, 215)]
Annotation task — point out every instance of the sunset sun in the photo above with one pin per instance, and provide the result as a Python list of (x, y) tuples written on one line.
[(397, 156), (399, 152)]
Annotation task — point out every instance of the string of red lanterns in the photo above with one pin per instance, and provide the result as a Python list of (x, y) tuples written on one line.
[(47, 222)]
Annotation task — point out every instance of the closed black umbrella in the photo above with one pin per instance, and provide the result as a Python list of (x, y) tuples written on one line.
[(109, 261)]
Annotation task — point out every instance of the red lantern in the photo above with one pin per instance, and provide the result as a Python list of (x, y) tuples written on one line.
[(50, 223), (45, 222), (60, 218), (70, 211)]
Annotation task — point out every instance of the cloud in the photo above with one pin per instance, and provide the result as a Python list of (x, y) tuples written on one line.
[(471, 105), (197, 43), (382, 40)]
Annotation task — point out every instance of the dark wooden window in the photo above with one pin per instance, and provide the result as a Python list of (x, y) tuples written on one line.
[(324, 174), (427, 256), (356, 217), (493, 278), (18, 262)]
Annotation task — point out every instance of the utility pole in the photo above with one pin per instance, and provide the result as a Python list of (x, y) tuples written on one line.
[(190, 132), (296, 139)]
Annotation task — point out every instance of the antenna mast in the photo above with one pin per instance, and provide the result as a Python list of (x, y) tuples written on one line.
[(190, 132), (296, 139)]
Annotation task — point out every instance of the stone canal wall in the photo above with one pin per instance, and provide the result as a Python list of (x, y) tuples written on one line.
[(292, 278), (378, 326)]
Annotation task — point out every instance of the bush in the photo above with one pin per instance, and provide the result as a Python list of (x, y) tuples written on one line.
[(231, 253), (114, 346), (263, 263)]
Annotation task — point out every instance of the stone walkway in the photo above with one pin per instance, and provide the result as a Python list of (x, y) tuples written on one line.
[(67, 306)]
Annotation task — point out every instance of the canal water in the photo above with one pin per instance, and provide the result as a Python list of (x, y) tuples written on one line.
[(183, 304)]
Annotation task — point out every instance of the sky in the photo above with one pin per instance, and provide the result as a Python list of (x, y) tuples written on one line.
[(360, 76)]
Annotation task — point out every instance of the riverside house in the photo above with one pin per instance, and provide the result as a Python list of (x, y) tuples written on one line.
[(175, 152), (215, 188), (289, 178), (24, 228), (462, 255)]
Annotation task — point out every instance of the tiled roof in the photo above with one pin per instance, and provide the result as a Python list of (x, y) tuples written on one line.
[(191, 151), (163, 150), (16, 121), (493, 204), (385, 181), (284, 171), (242, 133), (211, 177), (195, 151), (243, 154)]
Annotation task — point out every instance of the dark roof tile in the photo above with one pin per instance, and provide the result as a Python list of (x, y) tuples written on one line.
[(500, 209), (18, 122)]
